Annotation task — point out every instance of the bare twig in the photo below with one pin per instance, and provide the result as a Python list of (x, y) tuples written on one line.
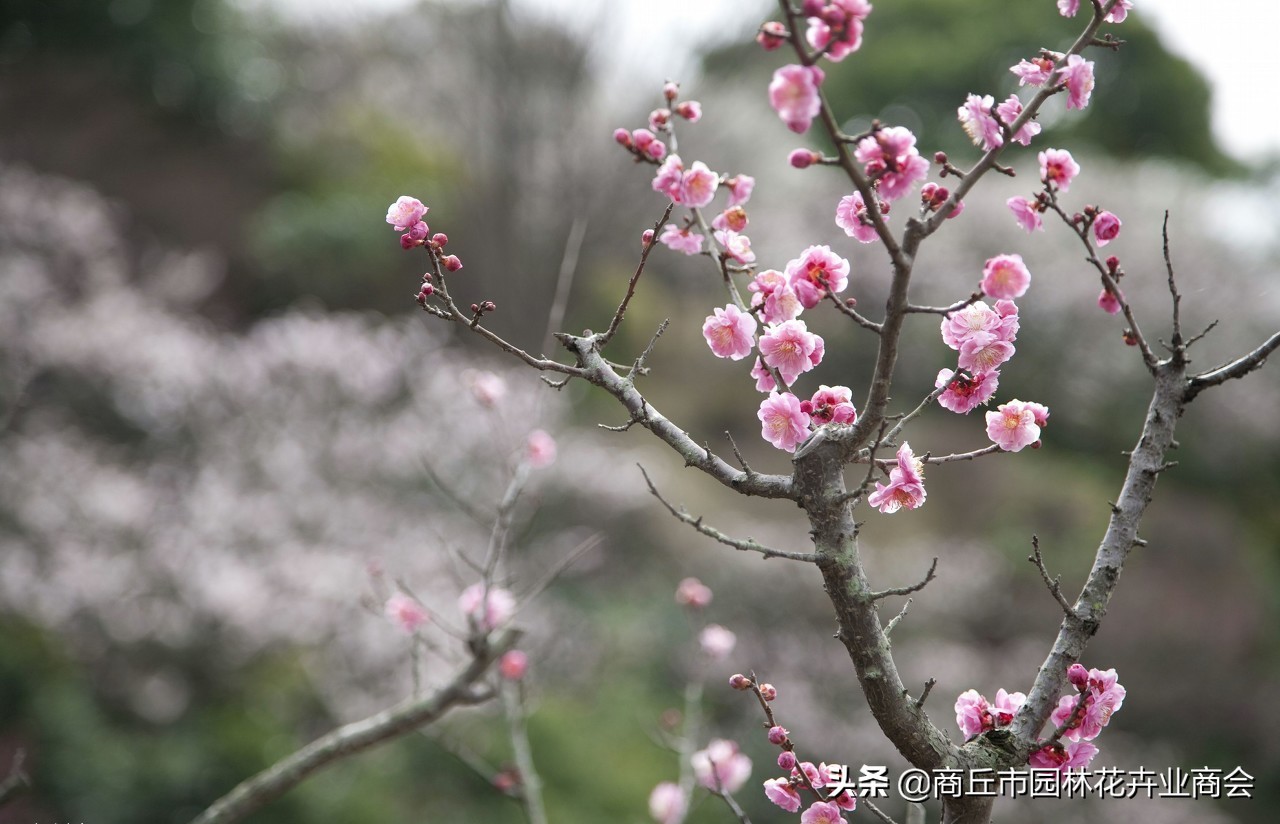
[(564, 281), (746, 545), (1054, 584), (897, 619), (638, 368), (517, 729), (889, 593), (1178, 347), (912, 308), (892, 437), (608, 334), (849, 311)]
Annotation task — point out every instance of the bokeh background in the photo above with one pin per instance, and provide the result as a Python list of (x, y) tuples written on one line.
[(226, 429)]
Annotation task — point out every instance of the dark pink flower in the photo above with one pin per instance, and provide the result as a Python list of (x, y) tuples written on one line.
[(890, 156), (690, 110), (669, 176), (1109, 302), (764, 378), (734, 219), (964, 393), (793, 94), (1106, 227), (973, 714), (817, 271), (1064, 757), (1058, 167), (513, 665), (906, 484), (782, 422), (831, 404)]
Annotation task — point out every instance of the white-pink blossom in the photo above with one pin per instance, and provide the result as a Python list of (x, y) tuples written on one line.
[(716, 641), (906, 484), (730, 332), (540, 449), (721, 766), (698, 185), (817, 271), (1034, 72), (764, 378), (1068, 8), (740, 188), (1012, 426), (984, 353), (964, 392), (978, 319), (976, 118), (1078, 77), (489, 610), (973, 713), (1009, 111), (772, 291), (822, 812), (405, 212), (486, 387), (668, 177), (1119, 12), (782, 422), (681, 240), (790, 348), (733, 219), (851, 215), (794, 95), (1026, 213), (667, 804), (781, 792), (736, 245), (405, 612), (1005, 276)]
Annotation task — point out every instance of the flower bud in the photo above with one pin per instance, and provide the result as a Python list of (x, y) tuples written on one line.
[(1078, 676), (787, 760), (451, 263), (439, 239), (940, 158), (513, 665), (646, 237), (622, 136), (739, 681), (803, 158), (690, 110), (768, 692), (777, 735), (771, 35), (670, 91)]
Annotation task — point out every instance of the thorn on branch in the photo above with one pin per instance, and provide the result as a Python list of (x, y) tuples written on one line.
[(1054, 584)]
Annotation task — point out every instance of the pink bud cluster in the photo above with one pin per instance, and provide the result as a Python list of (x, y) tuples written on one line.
[(406, 215)]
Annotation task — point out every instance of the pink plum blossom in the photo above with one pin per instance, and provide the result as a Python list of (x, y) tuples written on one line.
[(817, 271), (783, 424), (1106, 227), (513, 665), (667, 803), (891, 156), (983, 129), (906, 484), (831, 404), (851, 216), (791, 348), (781, 792), (964, 393), (406, 612), (540, 449), (1078, 76), (1058, 167), (690, 110), (721, 766), (405, 212), (772, 291), (499, 605), (1109, 301), (1068, 8), (698, 185), (668, 177), (1006, 706), (847, 41), (693, 593), (978, 319), (973, 714), (822, 812), (1012, 426), (1064, 756), (716, 641), (641, 138), (730, 332), (736, 245), (1009, 111), (1034, 72), (740, 188), (1026, 213), (793, 94), (1005, 276), (733, 219), (681, 240), (1119, 12), (1039, 412), (487, 388), (1103, 697), (764, 378)]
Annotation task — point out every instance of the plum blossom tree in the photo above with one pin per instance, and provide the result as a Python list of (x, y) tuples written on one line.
[(835, 448)]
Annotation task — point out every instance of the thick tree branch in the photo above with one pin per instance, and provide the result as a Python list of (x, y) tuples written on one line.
[(353, 738), (1237, 368)]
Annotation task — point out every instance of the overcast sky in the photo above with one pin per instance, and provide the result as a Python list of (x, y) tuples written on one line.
[(1232, 41)]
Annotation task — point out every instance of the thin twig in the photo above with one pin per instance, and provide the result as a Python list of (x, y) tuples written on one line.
[(849, 311), (897, 619), (889, 593), (454, 497), (912, 308), (638, 368), (608, 334), (564, 281), (1178, 346), (892, 437), (1054, 584), (746, 545), (563, 565), (517, 729), (924, 696)]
